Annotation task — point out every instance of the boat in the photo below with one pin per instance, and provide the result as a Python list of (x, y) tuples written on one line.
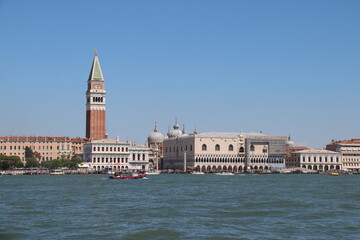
[(57, 172), (334, 173), (197, 173), (264, 172), (224, 174), (133, 176), (153, 173)]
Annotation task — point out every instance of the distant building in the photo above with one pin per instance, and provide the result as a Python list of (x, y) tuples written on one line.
[(113, 155), (313, 159), (349, 151), (289, 160), (222, 151), (48, 147), (155, 143)]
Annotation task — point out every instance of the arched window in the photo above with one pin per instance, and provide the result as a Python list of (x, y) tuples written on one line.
[(231, 147), (241, 149), (265, 150), (252, 148), (217, 147), (204, 147)]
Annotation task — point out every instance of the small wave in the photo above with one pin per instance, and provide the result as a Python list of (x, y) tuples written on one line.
[(154, 234)]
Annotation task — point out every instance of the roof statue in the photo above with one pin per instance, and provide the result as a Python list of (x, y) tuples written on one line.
[(195, 130), (184, 131)]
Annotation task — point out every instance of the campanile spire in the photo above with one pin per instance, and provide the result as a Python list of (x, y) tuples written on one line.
[(95, 102)]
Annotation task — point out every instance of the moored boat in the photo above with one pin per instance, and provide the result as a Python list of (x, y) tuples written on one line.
[(197, 173), (133, 176), (224, 174), (57, 172), (334, 173)]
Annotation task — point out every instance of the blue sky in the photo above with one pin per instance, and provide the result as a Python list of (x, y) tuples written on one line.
[(277, 66)]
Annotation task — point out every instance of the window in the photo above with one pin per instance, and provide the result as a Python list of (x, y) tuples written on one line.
[(204, 147), (252, 148), (217, 147), (265, 150), (190, 147), (231, 147), (241, 149)]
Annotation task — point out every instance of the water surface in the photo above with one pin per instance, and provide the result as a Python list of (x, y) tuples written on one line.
[(170, 206)]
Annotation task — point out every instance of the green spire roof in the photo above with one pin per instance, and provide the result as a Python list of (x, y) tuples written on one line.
[(95, 73)]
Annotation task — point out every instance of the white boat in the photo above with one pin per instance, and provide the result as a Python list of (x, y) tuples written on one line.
[(153, 173), (224, 174), (197, 173), (57, 172)]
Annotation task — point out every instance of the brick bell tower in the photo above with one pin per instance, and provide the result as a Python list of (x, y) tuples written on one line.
[(95, 102)]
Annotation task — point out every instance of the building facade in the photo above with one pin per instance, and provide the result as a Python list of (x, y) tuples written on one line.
[(114, 155), (221, 151), (349, 151), (155, 143), (313, 159), (96, 103), (49, 148)]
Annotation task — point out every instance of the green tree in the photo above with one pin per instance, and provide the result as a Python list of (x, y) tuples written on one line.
[(37, 155), (73, 163), (52, 164), (28, 152), (9, 162), (32, 162)]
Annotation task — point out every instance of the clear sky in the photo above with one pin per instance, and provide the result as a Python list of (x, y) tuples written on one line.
[(277, 66)]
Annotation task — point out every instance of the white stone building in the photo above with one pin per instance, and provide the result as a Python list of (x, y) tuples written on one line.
[(349, 151), (223, 151), (313, 159), (113, 155)]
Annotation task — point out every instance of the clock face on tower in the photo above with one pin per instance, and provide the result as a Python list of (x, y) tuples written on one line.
[(97, 86)]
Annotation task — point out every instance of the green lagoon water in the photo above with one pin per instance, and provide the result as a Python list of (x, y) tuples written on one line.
[(180, 207)]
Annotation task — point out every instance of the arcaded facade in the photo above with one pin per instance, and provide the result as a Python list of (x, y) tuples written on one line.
[(313, 159), (221, 151), (114, 155)]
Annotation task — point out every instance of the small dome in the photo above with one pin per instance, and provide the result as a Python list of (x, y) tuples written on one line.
[(290, 143), (155, 136), (176, 132)]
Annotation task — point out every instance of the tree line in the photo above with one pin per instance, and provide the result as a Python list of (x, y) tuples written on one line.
[(31, 161)]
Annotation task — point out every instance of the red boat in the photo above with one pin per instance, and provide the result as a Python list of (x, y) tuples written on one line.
[(136, 176)]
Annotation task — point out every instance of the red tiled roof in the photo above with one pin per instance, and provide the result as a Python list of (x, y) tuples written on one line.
[(42, 139)]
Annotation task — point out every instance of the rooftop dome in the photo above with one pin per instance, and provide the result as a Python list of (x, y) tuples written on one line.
[(290, 143), (155, 136), (176, 132)]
